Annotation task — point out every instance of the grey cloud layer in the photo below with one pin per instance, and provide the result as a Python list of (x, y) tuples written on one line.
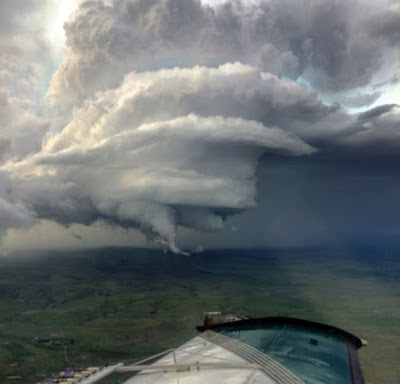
[(161, 109)]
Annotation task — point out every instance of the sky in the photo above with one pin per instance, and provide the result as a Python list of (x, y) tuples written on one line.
[(196, 124)]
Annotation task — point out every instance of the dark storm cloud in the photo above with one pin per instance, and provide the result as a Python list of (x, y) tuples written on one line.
[(326, 200), (386, 23), (375, 132), (361, 100), (368, 134), (77, 236), (327, 41), (13, 211), (325, 37), (160, 111), (376, 112)]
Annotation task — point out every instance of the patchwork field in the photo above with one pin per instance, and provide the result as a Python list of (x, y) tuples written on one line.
[(82, 308)]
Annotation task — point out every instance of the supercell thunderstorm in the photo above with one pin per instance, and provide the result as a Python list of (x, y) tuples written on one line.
[(160, 110)]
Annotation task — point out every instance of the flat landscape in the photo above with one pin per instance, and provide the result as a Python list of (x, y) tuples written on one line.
[(98, 306)]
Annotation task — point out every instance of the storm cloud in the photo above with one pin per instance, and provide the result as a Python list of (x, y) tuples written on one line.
[(160, 110), (142, 155)]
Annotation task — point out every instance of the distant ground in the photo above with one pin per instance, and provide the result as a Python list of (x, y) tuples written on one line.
[(81, 308)]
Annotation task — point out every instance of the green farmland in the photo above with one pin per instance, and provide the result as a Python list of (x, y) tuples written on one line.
[(90, 307)]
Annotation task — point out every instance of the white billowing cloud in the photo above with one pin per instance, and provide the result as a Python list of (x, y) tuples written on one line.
[(168, 148), (333, 43), (231, 90), (27, 60), (138, 156), (22, 72), (24, 61)]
